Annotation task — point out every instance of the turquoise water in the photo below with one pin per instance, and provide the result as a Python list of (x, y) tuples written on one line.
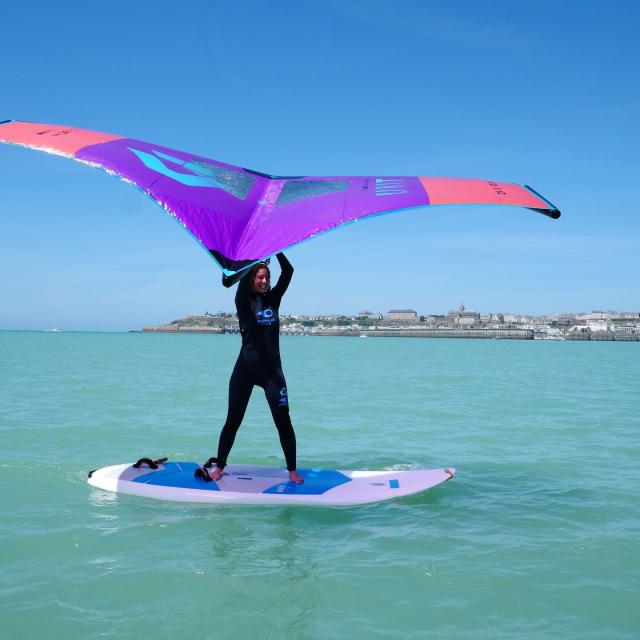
[(536, 537)]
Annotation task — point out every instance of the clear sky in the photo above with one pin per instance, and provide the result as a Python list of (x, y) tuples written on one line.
[(544, 93)]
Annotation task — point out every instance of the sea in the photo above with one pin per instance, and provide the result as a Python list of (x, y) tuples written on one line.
[(537, 536)]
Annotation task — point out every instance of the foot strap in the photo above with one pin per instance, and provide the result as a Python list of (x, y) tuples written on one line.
[(203, 474), (152, 464), (210, 462)]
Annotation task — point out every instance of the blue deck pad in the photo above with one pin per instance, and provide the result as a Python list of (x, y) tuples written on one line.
[(316, 482), (178, 475), (394, 484)]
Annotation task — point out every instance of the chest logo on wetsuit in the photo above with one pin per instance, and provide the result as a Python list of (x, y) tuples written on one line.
[(266, 316)]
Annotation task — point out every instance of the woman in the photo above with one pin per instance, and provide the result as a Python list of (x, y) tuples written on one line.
[(259, 362)]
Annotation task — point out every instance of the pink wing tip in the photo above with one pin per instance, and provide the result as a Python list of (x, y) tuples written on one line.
[(474, 191), (66, 140)]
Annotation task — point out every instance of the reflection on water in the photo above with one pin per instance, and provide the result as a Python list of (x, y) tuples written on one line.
[(99, 498), (244, 545)]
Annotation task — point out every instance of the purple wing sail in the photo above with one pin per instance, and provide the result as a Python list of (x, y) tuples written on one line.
[(242, 216)]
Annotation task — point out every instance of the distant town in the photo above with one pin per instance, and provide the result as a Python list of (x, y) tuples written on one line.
[(457, 323)]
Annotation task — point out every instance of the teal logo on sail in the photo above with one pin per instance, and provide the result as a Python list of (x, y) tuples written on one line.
[(155, 163)]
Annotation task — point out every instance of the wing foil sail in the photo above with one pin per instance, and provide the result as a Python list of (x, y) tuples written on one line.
[(241, 216)]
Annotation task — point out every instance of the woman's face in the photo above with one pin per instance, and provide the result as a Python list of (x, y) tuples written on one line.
[(261, 281)]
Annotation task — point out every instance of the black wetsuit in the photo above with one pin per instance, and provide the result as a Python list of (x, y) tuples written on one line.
[(258, 364)]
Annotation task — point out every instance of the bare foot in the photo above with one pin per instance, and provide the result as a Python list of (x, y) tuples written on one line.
[(295, 477), (216, 474)]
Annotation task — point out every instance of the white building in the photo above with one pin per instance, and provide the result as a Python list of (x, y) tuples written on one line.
[(370, 315), (515, 318)]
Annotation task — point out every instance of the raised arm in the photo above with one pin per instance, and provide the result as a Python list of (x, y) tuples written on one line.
[(285, 276)]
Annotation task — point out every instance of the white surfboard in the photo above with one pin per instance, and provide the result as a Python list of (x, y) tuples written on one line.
[(250, 484)]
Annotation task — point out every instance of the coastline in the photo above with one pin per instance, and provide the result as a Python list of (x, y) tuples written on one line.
[(596, 326), (408, 332)]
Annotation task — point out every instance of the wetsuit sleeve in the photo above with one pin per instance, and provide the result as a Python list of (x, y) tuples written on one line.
[(229, 281), (285, 277), (243, 301)]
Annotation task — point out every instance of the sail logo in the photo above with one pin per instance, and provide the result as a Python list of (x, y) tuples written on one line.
[(55, 132), (497, 188), (391, 186), (266, 316), (157, 160)]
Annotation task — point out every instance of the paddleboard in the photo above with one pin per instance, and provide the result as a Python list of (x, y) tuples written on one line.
[(251, 484)]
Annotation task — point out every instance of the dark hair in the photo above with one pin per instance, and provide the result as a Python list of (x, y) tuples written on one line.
[(256, 267)]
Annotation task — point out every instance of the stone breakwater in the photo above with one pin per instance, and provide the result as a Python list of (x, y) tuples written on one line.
[(174, 328), (495, 334), (507, 334), (388, 332)]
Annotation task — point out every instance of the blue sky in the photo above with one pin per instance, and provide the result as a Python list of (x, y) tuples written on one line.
[(542, 93)]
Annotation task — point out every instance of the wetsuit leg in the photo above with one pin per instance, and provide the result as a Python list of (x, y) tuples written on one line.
[(240, 387), (275, 388)]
